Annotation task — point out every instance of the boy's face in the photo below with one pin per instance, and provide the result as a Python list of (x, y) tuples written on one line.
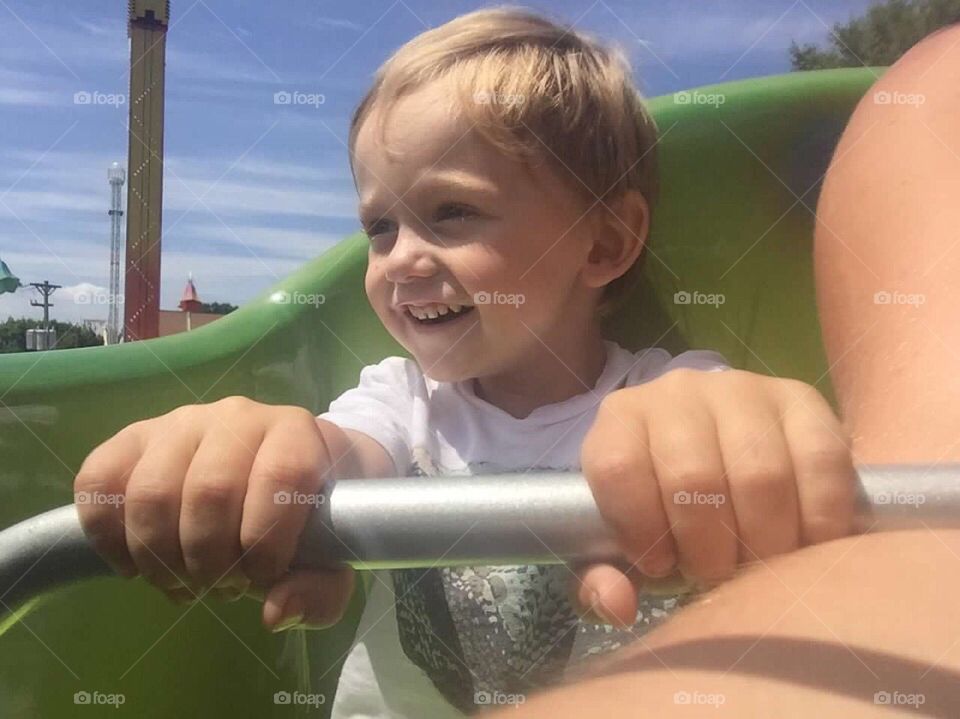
[(454, 221)]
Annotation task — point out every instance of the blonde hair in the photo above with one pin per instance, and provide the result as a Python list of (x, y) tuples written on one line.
[(535, 89)]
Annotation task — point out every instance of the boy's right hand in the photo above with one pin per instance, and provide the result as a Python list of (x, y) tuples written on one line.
[(188, 500)]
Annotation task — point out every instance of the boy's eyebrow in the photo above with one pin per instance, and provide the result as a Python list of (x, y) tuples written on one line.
[(437, 180)]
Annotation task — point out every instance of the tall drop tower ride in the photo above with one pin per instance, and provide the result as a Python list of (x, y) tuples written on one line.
[(147, 29)]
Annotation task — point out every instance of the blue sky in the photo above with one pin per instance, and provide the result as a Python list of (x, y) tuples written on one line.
[(254, 189)]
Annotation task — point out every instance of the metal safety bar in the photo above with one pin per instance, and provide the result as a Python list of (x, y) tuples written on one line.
[(521, 518)]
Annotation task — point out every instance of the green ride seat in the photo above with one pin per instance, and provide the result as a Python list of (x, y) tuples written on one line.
[(740, 176)]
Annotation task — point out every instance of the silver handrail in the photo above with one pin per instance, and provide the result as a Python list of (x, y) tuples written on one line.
[(521, 518)]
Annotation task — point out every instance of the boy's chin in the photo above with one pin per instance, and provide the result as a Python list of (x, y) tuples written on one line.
[(450, 367), (442, 372)]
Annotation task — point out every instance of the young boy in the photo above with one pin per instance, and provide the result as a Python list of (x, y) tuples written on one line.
[(505, 168)]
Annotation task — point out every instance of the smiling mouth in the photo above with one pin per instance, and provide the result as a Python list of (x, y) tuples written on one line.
[(439, 319)]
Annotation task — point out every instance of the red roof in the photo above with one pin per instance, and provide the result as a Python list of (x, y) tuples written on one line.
[(190, 300)]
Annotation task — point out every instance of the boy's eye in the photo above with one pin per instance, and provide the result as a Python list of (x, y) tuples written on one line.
[(453, 211), (377, 228)]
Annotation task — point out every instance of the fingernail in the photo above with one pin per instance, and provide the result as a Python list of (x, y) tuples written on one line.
[(658, 566), (288, 623), (599, 610)]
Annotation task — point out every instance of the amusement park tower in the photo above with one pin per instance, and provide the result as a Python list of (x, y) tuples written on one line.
[(116, 176), (147, 29)]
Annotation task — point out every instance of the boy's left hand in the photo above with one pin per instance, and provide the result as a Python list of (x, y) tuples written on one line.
[(700, 471)]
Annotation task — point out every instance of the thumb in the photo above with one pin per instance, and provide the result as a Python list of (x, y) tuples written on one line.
[(317, 598), (606, 592)]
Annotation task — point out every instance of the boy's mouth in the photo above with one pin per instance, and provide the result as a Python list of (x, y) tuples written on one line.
[(437, 314)]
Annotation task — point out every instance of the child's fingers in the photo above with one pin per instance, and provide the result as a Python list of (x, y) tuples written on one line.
[(153, 499), (689, 466), (313, 598), (287, 473), (104, 473), (761, 479), (606, 592), (213, 494), (616, 462), (823, 464)]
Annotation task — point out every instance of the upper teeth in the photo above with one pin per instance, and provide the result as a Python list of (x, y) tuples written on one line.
[(432, 311)]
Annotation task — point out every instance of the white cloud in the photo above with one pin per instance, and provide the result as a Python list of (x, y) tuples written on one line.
[(33, 98), (35, 204), (210, 67), (106, 27), (84, 289), (75, 182), (262, 239), (64, 50), (254, 198), (23, 87), (338, 23)]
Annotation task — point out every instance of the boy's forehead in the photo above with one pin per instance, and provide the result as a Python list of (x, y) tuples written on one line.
[(419, 131)]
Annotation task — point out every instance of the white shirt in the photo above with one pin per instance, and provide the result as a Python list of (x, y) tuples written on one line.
[(461, 637)]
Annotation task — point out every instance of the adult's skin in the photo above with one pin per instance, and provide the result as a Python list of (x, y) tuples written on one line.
[(867, 625), (889, 222)]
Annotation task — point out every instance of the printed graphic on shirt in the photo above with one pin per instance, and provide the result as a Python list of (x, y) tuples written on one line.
[(479, 631)]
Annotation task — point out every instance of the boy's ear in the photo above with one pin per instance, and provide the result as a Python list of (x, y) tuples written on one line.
[(621, 234)]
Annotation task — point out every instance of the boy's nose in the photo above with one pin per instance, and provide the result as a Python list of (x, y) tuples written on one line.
[(410, 257)]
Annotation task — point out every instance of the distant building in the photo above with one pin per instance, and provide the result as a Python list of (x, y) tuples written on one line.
[(187, 317), (174, 321)]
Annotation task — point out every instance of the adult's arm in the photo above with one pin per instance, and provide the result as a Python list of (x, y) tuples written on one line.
[(887, 261), (859, 627)]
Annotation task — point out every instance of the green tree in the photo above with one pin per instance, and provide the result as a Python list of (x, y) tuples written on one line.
[(218, 308), (887, 31), (13, 335)]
